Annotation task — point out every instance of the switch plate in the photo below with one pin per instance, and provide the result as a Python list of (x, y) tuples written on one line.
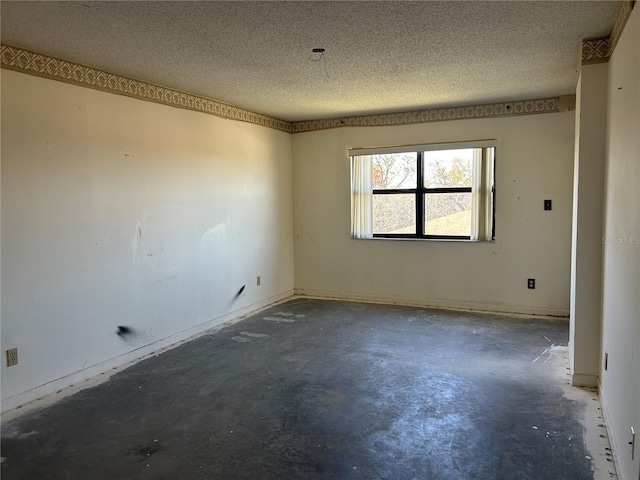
[(547, 204), (531, 283), (258, 280)]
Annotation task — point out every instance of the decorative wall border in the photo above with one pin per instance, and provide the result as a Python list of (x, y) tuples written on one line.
[(621, 21), (506, 109), (31, 63), (595, 50), (48, 67), (599, 50)]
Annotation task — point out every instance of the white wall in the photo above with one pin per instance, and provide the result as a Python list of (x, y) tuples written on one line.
[(586, 252), (620, 383), (116, 212), (534, 162)]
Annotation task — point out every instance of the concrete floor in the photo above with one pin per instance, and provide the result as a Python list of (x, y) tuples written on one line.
[(328, 389)]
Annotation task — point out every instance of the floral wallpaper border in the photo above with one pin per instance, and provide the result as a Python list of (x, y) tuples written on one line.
[(69, 72), (62, 70), (525, 107)]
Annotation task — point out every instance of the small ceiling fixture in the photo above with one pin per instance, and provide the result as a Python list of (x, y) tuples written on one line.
[(317, 55)]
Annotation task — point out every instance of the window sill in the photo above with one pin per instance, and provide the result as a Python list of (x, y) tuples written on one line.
[(410, 239)]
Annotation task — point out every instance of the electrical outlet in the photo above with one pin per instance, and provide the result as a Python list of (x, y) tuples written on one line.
[(531, 283), (258, 280), (12, 357), (547, 204)]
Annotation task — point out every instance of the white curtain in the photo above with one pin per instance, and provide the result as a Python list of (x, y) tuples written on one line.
[(361, 197), (481, 195)]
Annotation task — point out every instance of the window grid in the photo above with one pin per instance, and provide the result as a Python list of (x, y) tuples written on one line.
[(420, 194), (448, 198)]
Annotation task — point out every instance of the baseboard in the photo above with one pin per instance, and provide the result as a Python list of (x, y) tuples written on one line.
[(584, 380), (615, 450), (90, 376), (482, 307)]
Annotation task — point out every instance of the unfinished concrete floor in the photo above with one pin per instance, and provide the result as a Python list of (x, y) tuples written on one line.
[(327, 389)]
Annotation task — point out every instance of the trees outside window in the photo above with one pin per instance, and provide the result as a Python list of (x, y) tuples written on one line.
[(439, 193)]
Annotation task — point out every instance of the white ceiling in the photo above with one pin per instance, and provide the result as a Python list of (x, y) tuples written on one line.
[(380, 56)]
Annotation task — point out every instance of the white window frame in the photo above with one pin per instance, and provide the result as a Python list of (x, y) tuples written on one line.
[(482, 191)]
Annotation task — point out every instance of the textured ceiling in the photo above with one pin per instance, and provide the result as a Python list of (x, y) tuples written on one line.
[(380, 56)]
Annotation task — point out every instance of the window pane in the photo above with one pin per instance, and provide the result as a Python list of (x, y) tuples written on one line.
[(448, 168), (394, 213), (447, 214), (394, 170)]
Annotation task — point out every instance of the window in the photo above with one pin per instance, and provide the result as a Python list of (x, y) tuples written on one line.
[(443, 191)]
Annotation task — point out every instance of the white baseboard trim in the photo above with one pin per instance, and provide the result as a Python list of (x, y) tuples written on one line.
[(42, 395), (584, 380), (481, 307), (615, 450)]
